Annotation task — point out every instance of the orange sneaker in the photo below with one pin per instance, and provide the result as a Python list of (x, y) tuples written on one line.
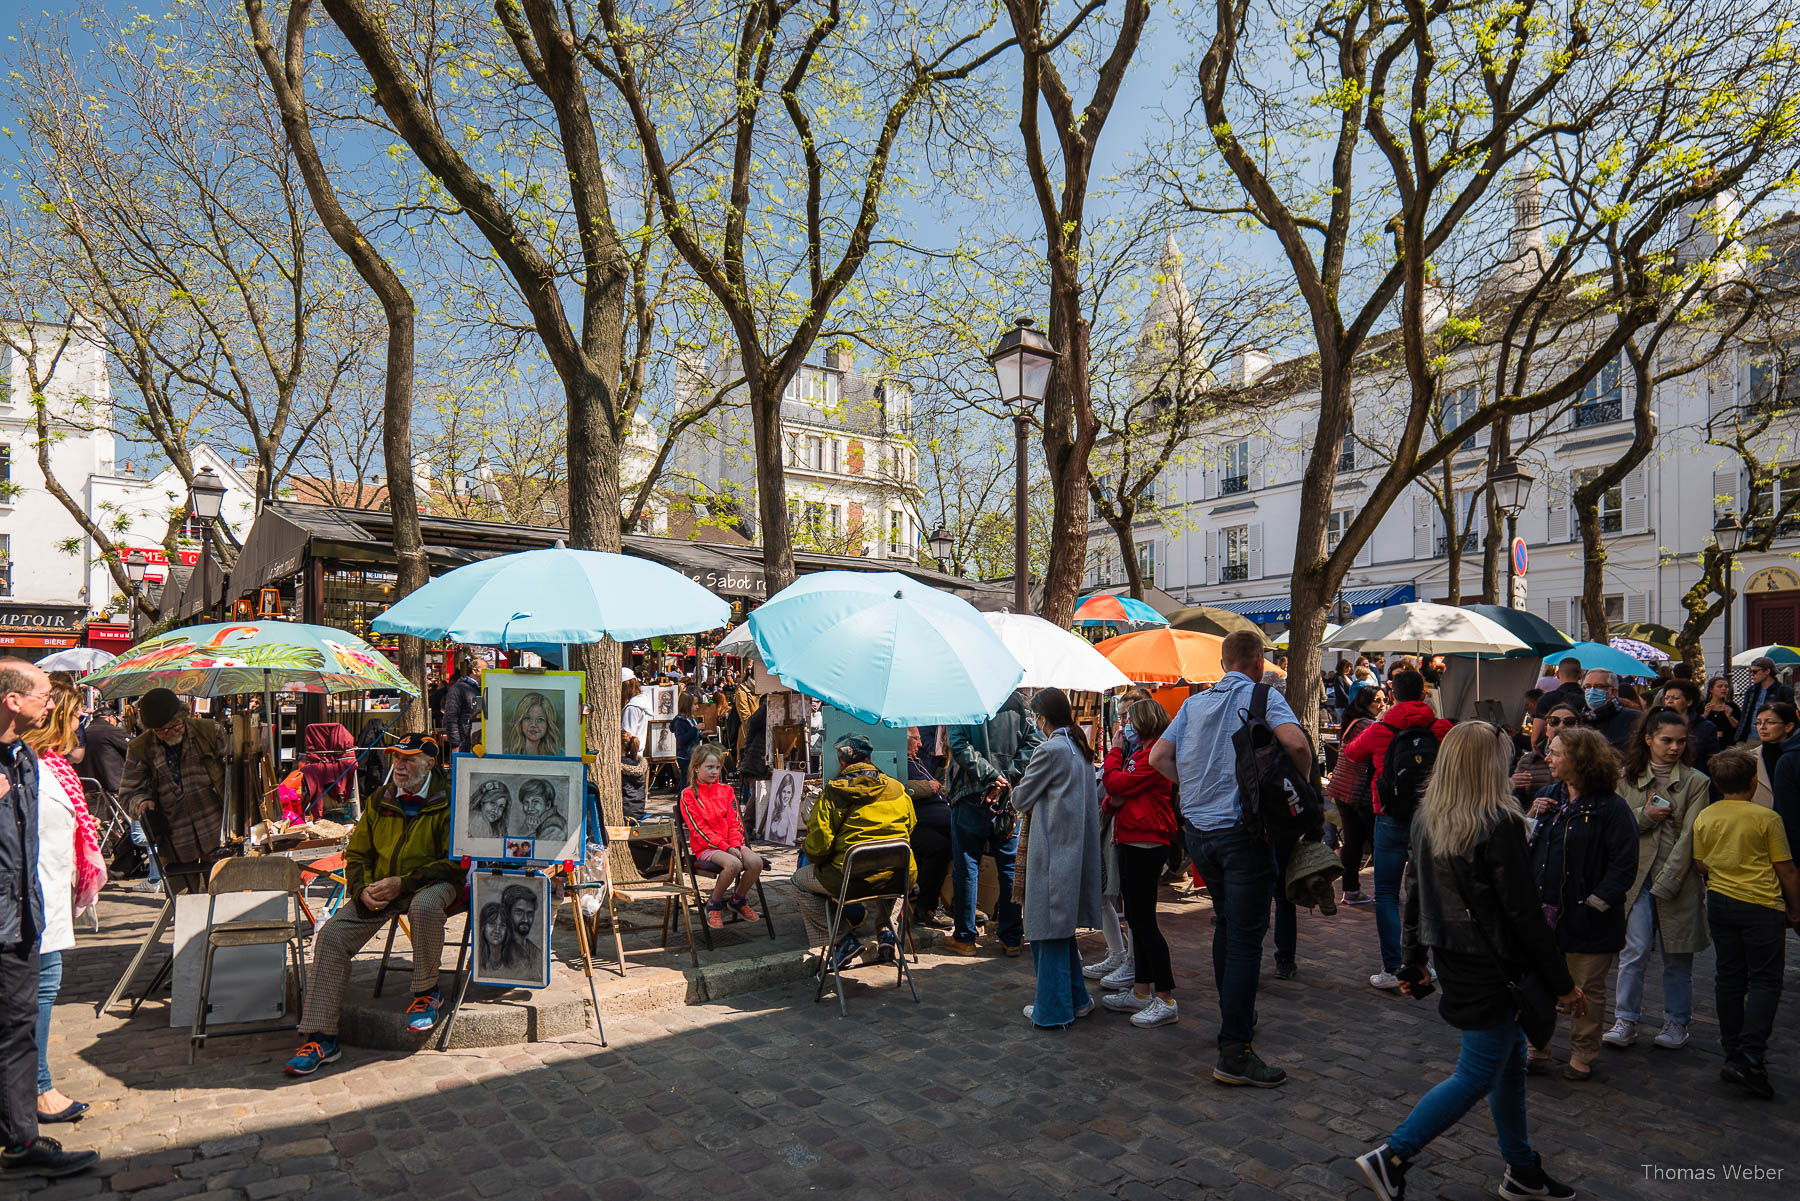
[(715, 916), (745, 910)]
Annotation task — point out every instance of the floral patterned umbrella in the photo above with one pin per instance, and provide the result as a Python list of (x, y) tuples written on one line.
[(239, 658)]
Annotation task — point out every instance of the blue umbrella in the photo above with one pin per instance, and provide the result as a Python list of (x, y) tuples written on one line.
[(1105, 609), (1597, 656), (885, 648), (556, 597)]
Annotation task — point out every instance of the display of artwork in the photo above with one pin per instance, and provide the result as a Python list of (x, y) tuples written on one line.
[(781, 820), (511, 914), (662, 740), (663, 699), (501, 803), (533, 713)]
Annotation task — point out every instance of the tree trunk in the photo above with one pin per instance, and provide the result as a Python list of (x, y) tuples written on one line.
[(1120, 521), (288, 79), (1315, 579), (1069, 433), (771, 482)]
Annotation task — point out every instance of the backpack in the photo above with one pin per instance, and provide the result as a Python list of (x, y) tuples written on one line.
[(1279, 802), (1406, 770)]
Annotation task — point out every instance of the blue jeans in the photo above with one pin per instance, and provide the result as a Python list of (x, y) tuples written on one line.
[(1061, 989), (142, 843), (1239, 873), (1677, 976), (1492, 1065), (1393, 841), (971, 837), (49, 983)]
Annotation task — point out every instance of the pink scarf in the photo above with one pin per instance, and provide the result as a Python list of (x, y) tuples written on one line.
[(90, 866)]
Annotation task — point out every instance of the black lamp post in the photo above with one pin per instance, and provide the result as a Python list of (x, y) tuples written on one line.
[(1022, 363), (942, 547), (206, 496), (1728, 532), (134, 571), (1512, 488)]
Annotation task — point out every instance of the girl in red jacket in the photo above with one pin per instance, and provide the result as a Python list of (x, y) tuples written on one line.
[(716, 836), (1139, 799)]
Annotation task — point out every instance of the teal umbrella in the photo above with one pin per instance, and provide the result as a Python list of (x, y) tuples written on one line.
[(556, 597), (1597, 656), (885, 648)]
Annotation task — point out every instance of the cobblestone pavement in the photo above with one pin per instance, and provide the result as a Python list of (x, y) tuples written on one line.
[(955, 1097)]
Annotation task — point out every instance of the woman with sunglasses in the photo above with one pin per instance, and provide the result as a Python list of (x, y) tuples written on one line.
[(1531, 774)]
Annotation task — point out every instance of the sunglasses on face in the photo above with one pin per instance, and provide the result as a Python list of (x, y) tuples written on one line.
[(1559, 721)]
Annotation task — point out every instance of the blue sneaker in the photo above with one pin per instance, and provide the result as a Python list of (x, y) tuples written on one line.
[(886, 947), (847, 951), (422, 1014), (313, 1054)]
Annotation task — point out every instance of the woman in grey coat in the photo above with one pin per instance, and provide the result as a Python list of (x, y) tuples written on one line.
[(1058, 797)]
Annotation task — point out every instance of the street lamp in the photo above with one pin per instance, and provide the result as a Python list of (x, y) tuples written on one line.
[(942, 546), (1340, 613), (1512, 488), (1728, 532), (135, 568), (1022, 363), (206, 496)]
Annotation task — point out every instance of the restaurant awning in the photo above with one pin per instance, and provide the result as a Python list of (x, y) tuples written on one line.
[(1268, 609), (286, 533)]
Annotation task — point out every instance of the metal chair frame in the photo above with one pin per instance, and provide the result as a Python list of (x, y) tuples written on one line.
[(695, 870), (262, 873), (889, 854)]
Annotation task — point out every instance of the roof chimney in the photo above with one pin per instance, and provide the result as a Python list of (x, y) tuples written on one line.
[(839, 358)]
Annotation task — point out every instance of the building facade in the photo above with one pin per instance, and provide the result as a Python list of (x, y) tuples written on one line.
[(1224, 529), (44, 587), (851, 468)]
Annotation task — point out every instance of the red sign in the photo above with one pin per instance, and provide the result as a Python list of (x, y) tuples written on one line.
[(56, 641), (156, 560), (108, 636)]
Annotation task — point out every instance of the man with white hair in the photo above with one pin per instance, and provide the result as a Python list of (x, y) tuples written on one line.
[(1600, 689)]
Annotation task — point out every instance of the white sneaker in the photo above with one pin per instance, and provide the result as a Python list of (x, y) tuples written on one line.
[(1123, 976), (1674, 1036), (1126, 1002), (1107, 966), (1157, 1013), (1080, 1013), (1384, 980), (1622, 1034)]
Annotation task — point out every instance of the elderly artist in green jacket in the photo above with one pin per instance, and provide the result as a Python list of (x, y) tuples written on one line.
[(397, 862), (861, 804)]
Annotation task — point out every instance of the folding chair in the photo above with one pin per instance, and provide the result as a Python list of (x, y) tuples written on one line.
[(892, 858), (696, 869), (263, 873), (625, 883)]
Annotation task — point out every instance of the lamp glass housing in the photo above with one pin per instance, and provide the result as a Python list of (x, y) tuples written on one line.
[(206, 495)]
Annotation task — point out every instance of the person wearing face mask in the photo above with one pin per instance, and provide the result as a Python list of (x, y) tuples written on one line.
[(1764, 688), (1667, 900), (1606, 716), (397, 861)]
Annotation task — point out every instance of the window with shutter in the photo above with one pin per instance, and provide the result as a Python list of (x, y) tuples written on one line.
[(1559, 509), (1574, 627), (1256, 550), (1728, 497), (1423, 524), (1637, 500), (1212, 556), (1637, 606)]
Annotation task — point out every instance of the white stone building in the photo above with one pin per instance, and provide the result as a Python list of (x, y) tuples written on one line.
[(1224, 533), (852, 471), (44, 589), (135, 509)]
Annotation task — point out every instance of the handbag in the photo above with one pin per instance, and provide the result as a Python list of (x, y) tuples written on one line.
[(1534, 1005), (1348, 783)]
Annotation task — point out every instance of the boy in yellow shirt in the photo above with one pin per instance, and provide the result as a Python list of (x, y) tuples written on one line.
[(1752, 892)]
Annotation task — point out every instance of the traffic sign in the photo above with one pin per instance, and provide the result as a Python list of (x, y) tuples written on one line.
[(1518, 554), (1518, 592)]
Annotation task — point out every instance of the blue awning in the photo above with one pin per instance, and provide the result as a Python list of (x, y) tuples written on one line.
[(1267, 610)]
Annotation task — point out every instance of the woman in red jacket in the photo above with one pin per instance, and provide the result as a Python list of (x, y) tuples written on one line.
[(1139, 800), (716, 836)]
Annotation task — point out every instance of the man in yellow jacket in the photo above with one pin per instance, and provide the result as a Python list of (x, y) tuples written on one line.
[(862, 804), (397, 861)]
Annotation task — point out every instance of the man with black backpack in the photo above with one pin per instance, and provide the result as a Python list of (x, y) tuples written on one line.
[(985, 762), (1400, 749), (1233, 812)]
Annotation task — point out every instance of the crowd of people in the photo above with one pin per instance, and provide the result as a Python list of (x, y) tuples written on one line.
[(1524, 872)]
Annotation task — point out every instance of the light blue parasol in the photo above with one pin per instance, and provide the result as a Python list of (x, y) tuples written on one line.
[(556, 597), (885, 648)]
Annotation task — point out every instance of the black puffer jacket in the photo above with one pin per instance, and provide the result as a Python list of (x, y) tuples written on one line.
[(462, 709), (1468, 908), (1584, 858)]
